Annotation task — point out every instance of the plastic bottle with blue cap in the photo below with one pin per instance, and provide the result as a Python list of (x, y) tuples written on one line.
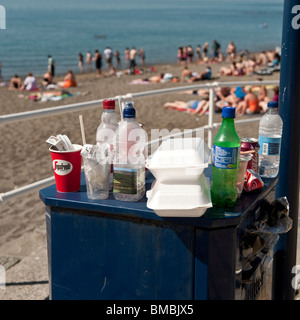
[(107, 128), (269, 139), (129, 158), (226, 151)]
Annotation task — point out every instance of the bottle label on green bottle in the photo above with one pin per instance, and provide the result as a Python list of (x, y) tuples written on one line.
[(225, 158)]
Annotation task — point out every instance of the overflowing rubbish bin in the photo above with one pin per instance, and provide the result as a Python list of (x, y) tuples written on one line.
[(259, 235), (122, 250)]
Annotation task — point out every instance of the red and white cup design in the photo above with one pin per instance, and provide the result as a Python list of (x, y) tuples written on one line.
[(67, 169)]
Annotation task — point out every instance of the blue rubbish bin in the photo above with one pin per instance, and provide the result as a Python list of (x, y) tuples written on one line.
[(112, 250)]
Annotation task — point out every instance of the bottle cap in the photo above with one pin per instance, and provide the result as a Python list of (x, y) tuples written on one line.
[(228, 112), (129, 111), (272, 104), (109, 104)]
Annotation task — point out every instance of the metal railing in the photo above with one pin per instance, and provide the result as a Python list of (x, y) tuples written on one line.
[(10, 118)]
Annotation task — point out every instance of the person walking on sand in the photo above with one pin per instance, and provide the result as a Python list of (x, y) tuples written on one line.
[(80, 62), (98, 62), (51, 65), (88, 61)]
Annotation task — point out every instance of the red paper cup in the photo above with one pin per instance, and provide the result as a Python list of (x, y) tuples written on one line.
[(67, 169)]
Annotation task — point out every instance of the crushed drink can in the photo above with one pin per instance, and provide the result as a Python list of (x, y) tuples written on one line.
[(253, 181), (251, 144)]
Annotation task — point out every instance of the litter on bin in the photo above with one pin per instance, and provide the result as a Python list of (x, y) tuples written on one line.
[(60, 143), (274, 217), (253, 181)]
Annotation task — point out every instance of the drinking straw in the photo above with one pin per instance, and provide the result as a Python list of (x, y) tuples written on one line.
[(82, 129)]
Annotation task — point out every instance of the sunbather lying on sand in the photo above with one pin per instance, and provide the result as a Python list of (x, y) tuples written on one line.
[(192, 106)]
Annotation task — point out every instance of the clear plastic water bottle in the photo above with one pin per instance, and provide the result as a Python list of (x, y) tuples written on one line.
[(107, 128), (269, 139), (226, 151), (129, 160)]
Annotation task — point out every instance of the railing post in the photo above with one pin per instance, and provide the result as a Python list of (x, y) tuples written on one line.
[(211, 115)]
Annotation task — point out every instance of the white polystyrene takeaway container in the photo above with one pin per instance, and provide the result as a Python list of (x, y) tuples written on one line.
[(180, 200), (181, 159)]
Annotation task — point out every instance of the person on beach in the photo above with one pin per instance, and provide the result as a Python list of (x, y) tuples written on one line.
[(51, 65), (30, 83), (191, 106), (205, 51), (80, 62), (198, 53), (235, 69), (186, 74), (132, 64), (249, 105), (47, 79), (275, 62), (206, 75), (180, 55), (263, 98), (118, 59), (98, 62), (232, 70), (189, 54), (153, 79), (142, 56), (15, 83), (69, 80), (250, 65), (108, 54), (127, 57), (231, 51), (263, 59), (111, 72), (231, 96), (88, 61), (216, 48)]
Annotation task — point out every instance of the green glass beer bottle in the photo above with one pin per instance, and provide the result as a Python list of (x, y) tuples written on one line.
[(226, 151)]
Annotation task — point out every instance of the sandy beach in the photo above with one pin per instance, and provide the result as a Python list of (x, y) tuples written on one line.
[(25, 157)]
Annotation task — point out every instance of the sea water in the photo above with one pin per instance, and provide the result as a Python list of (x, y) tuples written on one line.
[(35, 29)]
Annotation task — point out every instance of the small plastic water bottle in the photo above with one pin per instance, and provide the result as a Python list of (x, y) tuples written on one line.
[(129, 161), (269, 139), (107, 128), (226, 151)]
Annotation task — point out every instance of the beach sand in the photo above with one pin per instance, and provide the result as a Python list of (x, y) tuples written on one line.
[(25, 159)]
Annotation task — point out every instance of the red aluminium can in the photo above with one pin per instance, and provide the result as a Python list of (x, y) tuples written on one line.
[(251, 144)]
